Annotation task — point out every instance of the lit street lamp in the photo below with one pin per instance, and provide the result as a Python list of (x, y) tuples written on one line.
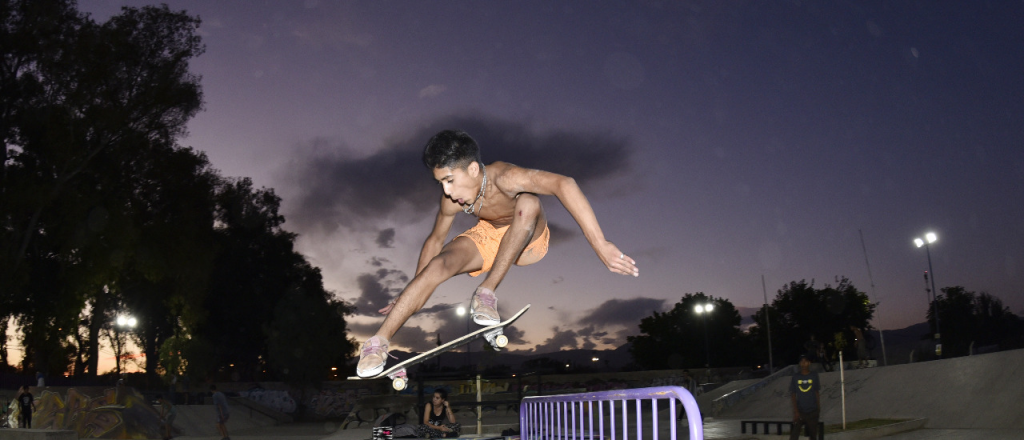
[(461, 311), (122, 323), (933, 298), (703, 311)]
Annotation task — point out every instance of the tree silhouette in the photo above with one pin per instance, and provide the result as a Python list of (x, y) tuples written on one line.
[(678, 338), (799, 312)]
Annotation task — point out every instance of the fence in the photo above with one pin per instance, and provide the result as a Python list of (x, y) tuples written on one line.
[(572, 416)]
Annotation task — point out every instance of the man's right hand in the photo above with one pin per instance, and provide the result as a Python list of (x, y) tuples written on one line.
[(796, 416)]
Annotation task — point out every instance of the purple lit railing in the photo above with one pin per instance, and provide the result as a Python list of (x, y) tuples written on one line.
[(572, 416)]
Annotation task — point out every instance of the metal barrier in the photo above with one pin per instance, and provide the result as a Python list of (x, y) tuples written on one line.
[(572, 416)]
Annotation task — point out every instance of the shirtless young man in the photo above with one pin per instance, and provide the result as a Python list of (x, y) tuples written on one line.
[(512, 229)]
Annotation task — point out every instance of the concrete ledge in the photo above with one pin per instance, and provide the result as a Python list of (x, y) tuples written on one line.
[(37, 434), (861, 434), (879, 431)]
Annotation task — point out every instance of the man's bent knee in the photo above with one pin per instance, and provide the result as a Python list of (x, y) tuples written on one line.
[(528, 206)]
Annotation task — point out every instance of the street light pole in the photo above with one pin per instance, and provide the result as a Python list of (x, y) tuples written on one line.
[(703, 310), (930, 238), (122, 322), (768, 321), (469, 349)]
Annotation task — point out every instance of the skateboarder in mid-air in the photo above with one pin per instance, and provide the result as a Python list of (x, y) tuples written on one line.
[(512, 229)]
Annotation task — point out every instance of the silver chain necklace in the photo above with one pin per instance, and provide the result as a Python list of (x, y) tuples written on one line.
[(483, 185)]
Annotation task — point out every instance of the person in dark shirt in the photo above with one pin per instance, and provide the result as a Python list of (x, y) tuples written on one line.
[(438, 418), (805, 395), (28, 405)]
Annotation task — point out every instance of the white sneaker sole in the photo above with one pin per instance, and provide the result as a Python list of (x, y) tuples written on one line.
[(371, 372), (485, 321)]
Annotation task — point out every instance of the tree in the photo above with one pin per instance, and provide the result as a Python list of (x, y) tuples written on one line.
[(268, 309), (799, 312), (676, 339), (969, 319), (84, 106)]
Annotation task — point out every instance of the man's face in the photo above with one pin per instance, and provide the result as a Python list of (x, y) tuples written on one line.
[(460, 185), (805, 364)]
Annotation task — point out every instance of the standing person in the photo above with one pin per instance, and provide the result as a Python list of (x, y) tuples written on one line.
[(512, 229), (167, 414), (28, 405), (805, 395), (438, 419), (220, 403)]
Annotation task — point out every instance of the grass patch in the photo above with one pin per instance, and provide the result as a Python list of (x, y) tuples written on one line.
[(861, 424)]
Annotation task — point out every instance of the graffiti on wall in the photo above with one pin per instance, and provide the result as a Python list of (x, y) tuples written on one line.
[(119, 413), (336, 403), (278, 400)]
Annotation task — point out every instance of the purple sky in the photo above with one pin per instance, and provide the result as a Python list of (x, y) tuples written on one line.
[(717, 141)]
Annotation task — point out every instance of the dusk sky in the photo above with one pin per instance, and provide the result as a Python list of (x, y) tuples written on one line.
[(718, 141)]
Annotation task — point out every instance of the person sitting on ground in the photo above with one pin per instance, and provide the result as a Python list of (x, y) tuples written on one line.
[(512, 229), (438, 418)]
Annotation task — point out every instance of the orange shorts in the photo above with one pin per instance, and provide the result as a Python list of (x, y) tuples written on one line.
[(487, 239)]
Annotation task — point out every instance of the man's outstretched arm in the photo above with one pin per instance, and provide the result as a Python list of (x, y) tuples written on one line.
[(572, 198)]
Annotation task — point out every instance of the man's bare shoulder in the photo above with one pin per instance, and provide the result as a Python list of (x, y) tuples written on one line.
[(509, 178), (512, 179)]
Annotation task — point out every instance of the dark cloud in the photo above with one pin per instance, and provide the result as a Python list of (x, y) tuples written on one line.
[(627, 312), (561, 234), (562, 339), (377, 289), (386, 238), (338, 188)]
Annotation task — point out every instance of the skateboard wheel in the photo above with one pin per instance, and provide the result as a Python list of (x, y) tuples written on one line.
[(501, 341), (399, 383)]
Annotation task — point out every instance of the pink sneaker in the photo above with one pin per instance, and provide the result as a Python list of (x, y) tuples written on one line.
[(372, 357), (484, 307)]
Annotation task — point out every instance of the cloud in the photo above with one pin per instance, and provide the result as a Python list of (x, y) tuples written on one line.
[(432, 91), (561, 234), (624, 312), (376, 290), (386, 238), (561, 339), (336, 188)]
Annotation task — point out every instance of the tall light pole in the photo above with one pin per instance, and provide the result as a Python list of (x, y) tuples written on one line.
[(703, 310), (768, 321), (123, 322), (930, 238), (461, 311)]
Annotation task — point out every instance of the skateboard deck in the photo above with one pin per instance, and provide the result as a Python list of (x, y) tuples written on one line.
[(493, 334)]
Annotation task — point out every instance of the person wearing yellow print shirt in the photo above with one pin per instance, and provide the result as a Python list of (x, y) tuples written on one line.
[(805, 394)]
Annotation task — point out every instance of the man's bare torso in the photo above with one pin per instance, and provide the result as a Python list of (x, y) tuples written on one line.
[(498, 203)]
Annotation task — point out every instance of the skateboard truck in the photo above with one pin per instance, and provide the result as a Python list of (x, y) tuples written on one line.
[(496, 338), (399, 379)]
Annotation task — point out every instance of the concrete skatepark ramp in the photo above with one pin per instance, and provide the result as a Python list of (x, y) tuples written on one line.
[(981, 391)]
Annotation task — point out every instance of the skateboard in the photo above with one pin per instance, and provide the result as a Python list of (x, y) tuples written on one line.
[(494, 335)]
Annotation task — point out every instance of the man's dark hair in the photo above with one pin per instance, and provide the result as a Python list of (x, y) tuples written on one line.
[(451, 149), (213, 387)]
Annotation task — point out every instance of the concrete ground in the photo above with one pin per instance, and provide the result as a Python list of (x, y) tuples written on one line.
[(968, 398)]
